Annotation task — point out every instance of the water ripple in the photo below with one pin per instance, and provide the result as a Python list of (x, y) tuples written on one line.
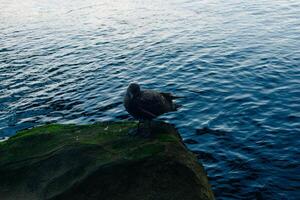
[(237, 64)]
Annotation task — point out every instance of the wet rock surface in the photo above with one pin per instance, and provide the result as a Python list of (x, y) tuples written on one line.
[(100, 161)]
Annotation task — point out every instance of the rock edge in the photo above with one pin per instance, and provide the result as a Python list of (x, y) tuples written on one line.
[(100, 161)]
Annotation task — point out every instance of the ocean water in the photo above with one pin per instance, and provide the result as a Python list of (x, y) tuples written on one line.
[(236, 62)]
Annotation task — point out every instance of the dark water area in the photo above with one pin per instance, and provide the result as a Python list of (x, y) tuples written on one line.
[(236, 62)]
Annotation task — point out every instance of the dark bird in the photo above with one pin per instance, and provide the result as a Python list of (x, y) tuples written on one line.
[(145, 105)]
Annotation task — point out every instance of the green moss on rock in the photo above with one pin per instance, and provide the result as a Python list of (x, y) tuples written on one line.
[(100, 161)]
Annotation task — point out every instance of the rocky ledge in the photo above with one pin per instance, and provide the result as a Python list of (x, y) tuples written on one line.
[(100, 161)]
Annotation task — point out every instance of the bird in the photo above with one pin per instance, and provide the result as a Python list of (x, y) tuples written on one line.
[(145, 105)]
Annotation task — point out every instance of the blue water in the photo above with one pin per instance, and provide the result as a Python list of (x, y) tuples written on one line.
[(237, 63)]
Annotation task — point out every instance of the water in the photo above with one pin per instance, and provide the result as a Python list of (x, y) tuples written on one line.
[(237, 63)]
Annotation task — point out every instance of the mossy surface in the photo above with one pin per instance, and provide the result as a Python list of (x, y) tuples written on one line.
[(59, 162)]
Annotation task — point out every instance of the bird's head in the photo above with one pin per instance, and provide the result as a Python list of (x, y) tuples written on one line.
[(133, 90)]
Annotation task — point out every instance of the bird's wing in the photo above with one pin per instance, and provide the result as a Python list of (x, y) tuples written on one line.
[(153, 102), (168, 96)]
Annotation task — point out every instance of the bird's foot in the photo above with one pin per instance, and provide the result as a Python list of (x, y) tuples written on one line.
[(146, 133)]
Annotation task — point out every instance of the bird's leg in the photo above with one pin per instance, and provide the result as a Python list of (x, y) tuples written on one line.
[(147, 131), (138, 127), (149, 125), (135, 131)]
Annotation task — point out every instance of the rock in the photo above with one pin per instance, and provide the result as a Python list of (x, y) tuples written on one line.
[(100, 161)]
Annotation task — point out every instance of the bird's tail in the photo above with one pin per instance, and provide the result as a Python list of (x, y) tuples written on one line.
[(177, 106), (170, 96), (177, 97)]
